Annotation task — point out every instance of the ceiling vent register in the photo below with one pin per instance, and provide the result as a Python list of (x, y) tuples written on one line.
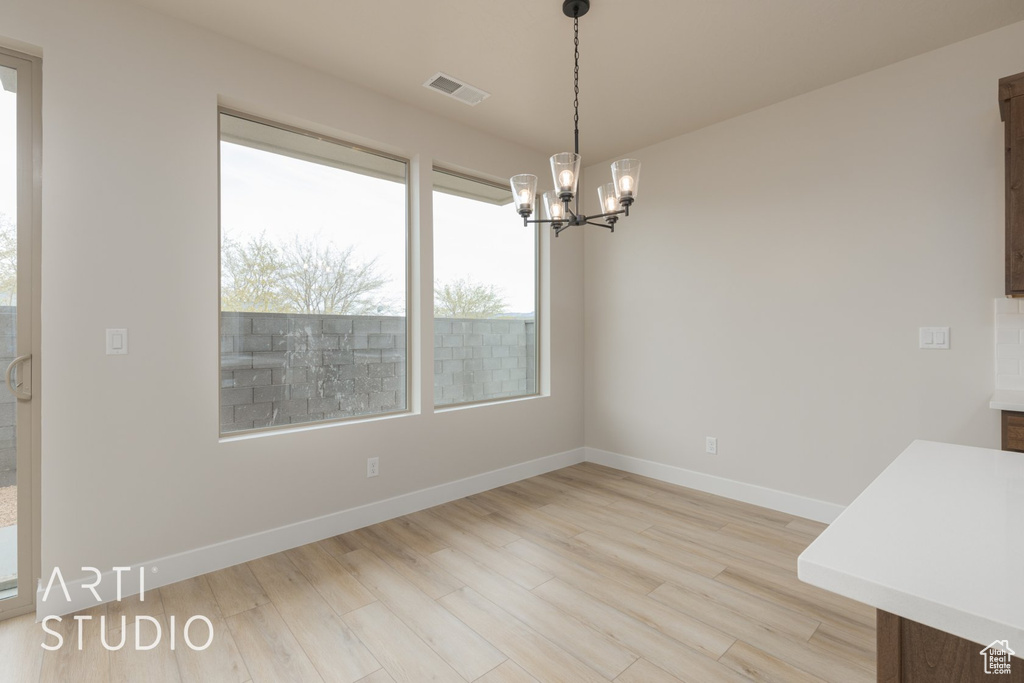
[(453, 87)]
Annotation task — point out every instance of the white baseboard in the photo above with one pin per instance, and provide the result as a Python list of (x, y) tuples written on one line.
[(790, 503), (174, 568)]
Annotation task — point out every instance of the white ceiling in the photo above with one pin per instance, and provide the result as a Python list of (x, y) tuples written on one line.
[(650, 69)]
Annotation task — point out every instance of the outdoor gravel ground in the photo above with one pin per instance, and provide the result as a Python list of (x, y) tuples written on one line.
[(8, 506)]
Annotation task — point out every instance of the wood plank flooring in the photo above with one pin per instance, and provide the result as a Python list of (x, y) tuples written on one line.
[(584, 574)]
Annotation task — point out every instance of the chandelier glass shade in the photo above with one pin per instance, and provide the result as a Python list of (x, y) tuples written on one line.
[(560, 207)]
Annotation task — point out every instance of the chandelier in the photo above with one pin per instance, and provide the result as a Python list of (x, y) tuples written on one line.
[(615, 197)]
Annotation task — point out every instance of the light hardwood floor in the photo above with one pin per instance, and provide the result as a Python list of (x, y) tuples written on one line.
[(585, 574)]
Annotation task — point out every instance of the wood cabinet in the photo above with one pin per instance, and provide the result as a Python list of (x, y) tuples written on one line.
[(1013, 431), (909, 652), (1011, 110)]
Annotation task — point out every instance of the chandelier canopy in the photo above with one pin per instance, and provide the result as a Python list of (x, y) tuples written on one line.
[(615, 197)]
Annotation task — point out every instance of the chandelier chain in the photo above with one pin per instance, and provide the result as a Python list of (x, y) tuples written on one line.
[(576, 82)]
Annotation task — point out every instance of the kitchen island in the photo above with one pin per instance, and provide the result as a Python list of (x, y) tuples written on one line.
[(936, 545)]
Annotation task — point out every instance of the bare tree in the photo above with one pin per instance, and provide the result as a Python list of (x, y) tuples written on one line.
[(464, 298), (251, 276), (318, 278), (8, 260)]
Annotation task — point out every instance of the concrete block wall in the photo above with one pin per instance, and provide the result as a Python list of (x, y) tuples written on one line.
[(8, 352), (279, 369), (480, 360)]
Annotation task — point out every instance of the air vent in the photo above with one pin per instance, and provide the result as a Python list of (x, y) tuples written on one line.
[(453, 87)]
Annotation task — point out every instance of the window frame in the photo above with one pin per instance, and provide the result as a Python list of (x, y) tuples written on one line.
[(440, 168), (411, 364)]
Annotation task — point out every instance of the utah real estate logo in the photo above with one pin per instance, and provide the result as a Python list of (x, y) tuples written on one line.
[(997, 657)]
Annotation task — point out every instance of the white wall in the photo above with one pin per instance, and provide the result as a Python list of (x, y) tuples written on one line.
[(768, 288), (130, 240)]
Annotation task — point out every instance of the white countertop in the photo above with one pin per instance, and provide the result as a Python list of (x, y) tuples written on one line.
[(1007, 399), (937, 538)]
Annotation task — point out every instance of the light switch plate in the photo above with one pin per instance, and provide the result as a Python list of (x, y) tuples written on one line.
[(117, 341), (933, 337)]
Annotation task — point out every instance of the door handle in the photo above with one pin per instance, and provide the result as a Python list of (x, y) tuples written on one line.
[(20, 394)]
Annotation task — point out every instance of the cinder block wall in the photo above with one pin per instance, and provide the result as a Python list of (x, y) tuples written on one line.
[(279, 369), (8, 351)]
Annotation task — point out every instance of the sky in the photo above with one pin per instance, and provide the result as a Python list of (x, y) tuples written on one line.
[(486, 243), (288, 198), (8, 153)]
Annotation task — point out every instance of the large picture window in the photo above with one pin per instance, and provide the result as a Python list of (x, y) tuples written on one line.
[(485, 293), (313, 278)]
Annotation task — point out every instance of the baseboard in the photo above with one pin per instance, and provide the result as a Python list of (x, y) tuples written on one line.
[(790, 503), (174, 568)]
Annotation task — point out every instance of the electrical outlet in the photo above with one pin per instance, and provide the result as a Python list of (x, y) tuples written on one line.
[(372, 467), (711, 445)]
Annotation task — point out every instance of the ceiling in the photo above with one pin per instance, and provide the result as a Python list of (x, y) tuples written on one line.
[(650, 69)]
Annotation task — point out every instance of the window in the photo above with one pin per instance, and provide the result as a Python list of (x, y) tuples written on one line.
[(485, 293), (313, 278)]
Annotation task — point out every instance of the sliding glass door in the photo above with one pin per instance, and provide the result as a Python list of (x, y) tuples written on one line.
[(19, 196)]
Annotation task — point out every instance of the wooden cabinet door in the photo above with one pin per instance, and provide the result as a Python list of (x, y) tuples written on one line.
[(1015, 197), (909, 652), (1011, 109)]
